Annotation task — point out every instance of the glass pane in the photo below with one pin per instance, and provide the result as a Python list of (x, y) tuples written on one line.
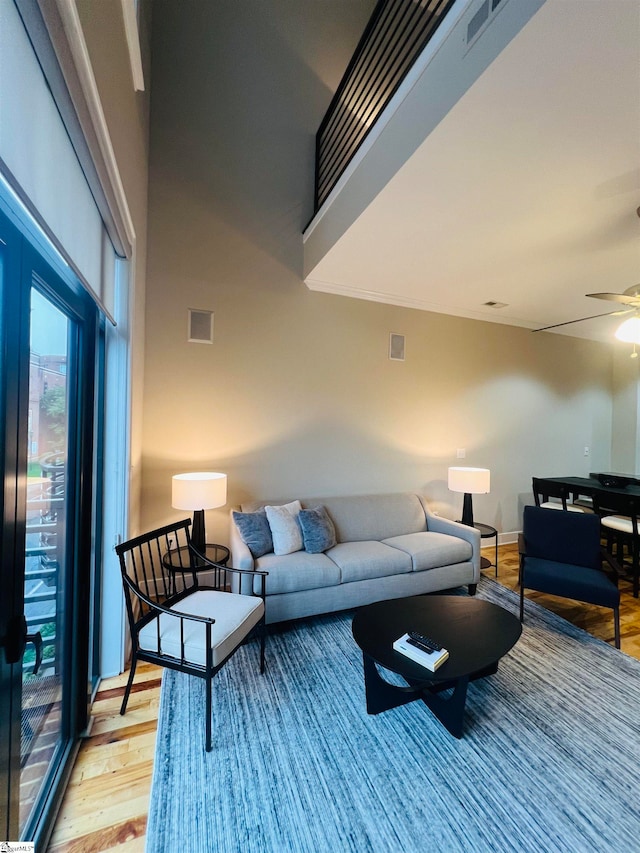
[(44, 584)]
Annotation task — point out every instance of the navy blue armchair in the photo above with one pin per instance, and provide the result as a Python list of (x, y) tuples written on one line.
[(561, 554)]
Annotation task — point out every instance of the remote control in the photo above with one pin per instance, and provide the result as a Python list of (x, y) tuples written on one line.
[(426, 642), (420, 646)]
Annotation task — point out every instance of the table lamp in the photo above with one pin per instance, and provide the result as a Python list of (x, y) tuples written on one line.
[(470, 481), (198, 491)]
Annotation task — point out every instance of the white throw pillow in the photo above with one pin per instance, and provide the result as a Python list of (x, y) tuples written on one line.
[(285, 528)]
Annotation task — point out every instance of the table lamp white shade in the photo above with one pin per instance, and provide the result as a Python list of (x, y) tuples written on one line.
[(470, 481), (198, 491), (475, 481)]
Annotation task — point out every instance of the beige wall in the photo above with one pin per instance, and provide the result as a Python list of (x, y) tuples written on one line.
[(625, 456), (297, 395), (127, 116)]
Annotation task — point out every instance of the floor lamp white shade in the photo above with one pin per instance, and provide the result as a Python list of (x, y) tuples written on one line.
[(470, 481), (198, 491)]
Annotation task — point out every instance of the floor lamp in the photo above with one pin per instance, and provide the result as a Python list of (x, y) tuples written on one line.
[(198, 491), (470, 481)]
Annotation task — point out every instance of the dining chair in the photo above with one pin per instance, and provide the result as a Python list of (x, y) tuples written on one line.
[(619, 518), (561, 554), (549, 495), (175, 620)]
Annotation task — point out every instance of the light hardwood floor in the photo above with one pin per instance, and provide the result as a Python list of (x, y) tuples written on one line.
[(105, 807)]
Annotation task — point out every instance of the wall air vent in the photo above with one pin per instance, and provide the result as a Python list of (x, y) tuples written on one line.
[(200, 327), (396, 347)]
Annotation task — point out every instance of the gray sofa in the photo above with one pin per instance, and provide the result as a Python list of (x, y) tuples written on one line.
[(388, 546)]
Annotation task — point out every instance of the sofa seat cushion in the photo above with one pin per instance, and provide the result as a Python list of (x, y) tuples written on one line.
[(297, 571), (431, 550), (362, 560)]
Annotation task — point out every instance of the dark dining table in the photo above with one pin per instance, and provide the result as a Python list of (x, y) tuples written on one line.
[(587, 486)]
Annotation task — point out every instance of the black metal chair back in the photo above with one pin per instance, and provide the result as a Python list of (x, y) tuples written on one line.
[(148, 576)]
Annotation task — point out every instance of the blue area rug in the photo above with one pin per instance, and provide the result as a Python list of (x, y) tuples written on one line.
[(549, 761)]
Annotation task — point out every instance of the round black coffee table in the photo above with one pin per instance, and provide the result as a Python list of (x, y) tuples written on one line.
[(475, 632)]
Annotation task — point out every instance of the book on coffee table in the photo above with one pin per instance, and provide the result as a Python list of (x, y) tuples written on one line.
[(429, 659)]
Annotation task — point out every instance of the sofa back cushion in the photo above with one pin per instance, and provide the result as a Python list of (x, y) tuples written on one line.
[(361, 517), (358, 518)]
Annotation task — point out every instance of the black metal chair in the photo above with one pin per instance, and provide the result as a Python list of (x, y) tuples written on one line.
[(176, 621), (620, 520), (560, 554)]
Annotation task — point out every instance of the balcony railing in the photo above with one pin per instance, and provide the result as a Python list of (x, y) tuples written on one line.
[(44, 552), (45, 538), (396, 34)]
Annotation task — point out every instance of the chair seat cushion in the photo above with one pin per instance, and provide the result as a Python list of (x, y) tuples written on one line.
[(432, 550), (621, 523), (570, 507), (368, 559), (576, 582), (235, 616)]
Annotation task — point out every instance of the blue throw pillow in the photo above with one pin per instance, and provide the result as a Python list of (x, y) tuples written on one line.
[(318, 531), (254, 531)]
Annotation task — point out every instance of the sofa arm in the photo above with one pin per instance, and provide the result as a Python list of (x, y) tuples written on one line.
[(437, 524), (241, 556)]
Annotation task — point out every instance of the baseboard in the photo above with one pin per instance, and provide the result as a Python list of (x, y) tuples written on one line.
[(508, 538)]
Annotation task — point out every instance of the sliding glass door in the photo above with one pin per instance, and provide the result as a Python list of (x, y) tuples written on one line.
[(47, 378), (44, 664)]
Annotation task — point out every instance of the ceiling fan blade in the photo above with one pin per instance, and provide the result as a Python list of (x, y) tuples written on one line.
[(616, 297), (582, 319)]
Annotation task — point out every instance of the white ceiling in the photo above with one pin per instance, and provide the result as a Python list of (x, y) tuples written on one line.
[(525, 193)]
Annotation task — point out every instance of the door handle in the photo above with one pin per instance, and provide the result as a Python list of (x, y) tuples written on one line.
[(36, 639), (15, 639)]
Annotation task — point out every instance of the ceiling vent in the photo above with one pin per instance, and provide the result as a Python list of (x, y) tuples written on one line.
[(481, 18), (478, 21)]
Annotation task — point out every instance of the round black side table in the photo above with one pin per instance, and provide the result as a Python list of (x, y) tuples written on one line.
[(488, 532), (177, 559)]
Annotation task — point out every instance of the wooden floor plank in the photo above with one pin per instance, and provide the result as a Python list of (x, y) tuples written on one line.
[(129, 835), (105, 808), (100, 823)]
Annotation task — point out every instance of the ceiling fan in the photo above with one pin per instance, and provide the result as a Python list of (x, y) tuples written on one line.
[(630, 297), (629, 331)]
